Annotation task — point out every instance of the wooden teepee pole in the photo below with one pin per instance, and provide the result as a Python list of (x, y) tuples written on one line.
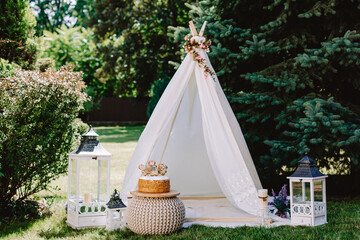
[(193, 29), (202, 29)]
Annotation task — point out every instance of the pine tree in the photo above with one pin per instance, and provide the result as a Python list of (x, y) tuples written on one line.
[(291, 71)]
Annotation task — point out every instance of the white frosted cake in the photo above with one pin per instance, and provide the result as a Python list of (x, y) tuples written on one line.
[(154, 184)]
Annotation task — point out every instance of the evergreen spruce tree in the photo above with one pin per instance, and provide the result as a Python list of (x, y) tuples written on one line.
[(291, 71)]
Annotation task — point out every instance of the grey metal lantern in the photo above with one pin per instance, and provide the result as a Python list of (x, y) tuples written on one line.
[(115, 213), (89, 183), (308, 194)]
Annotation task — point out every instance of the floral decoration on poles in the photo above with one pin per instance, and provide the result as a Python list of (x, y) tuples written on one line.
[(191, 46)]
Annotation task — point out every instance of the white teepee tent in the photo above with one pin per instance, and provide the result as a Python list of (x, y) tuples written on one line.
[(193, 131)]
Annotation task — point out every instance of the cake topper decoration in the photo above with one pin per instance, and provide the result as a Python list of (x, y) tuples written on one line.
[(143, 169), (151, 166), (162, 168), (152, 169)]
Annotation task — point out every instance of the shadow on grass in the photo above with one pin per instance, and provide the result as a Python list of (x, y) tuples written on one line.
[(18, 226), (65, 231), (62, 231), (128, 234), (119, 134)]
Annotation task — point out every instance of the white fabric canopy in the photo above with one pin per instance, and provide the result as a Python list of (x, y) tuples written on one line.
[(193, 131)]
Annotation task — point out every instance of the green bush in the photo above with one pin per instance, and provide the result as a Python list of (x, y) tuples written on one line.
[(71, 45), (7, 68), (37, 129), (21, 210), (17, 23)]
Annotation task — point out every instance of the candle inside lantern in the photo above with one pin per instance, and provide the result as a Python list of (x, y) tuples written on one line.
[(87, 198)]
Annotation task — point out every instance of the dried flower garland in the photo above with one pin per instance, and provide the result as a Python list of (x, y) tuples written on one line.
[(191, 45)]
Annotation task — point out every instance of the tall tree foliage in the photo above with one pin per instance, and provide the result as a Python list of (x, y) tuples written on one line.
[(112, 17), (83, 12), (291, 71), (135, 47), (16, 29), (52, 14)]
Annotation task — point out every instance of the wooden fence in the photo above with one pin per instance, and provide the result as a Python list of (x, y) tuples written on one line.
[(118, 111)]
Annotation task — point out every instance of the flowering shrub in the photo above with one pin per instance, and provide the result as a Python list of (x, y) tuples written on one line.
[(280, 203), (37, 129)]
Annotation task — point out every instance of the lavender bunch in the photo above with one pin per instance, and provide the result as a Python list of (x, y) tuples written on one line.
[(280, 202)]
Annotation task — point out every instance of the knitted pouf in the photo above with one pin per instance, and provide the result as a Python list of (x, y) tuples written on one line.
[(154, 215)]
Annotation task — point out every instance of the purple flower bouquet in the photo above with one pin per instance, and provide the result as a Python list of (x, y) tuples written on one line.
[(281, 203)]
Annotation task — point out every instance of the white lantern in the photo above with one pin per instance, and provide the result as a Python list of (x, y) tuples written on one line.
[(115, 213), (307, 194), (115, 218), (89, 182)]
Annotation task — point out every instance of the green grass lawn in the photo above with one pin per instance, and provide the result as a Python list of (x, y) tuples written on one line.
[(343, 216)]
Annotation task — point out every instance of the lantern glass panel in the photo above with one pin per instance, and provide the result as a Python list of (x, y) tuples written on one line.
[(318, 191), (93, 180), (297, 192), (88, 180), (307, 192), (73, 174), (103, 180)]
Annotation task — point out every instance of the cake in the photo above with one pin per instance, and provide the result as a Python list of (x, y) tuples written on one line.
[(153, 179), (154, 184)]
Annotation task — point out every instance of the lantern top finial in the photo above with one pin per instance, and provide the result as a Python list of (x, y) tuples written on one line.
[(90, 133), (307, 169), (90, 146), (306, 160), (115, 201)]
